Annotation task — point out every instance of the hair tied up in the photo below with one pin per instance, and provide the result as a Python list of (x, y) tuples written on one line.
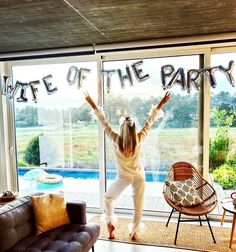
[(126, 119)]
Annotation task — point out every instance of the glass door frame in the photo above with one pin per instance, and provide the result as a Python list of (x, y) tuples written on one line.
[(205, 51)]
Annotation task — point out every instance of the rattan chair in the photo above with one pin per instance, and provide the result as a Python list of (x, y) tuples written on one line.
[(182, 171)]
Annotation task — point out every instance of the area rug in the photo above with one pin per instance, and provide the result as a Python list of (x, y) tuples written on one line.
[(190, 236)]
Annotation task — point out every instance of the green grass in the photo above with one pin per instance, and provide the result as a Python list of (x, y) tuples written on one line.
[(160, 149)]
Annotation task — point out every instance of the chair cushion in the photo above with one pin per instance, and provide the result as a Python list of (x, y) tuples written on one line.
[(49, 212), (183, 192), (70, 237)]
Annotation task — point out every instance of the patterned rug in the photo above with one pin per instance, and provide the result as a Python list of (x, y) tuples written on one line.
[(190, 236)]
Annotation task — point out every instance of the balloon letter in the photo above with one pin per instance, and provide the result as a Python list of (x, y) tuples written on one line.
[(5, 84), (48, 84), (72, 75), (175, 79), (138, 72), (210, 75), (193, 76), (123, 78), (108, 74), (166, 71), (82, 76), (228, 72), (22, 97), (34, 89)]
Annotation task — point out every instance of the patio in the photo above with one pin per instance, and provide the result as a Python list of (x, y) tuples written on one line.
[(80, 189)]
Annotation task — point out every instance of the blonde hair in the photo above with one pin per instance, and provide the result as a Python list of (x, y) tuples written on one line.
[(127, 137)]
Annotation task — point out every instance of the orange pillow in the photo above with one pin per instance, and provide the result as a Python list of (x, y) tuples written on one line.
[(49, 212)]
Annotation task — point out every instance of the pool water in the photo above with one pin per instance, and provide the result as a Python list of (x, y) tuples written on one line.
[(83, 174)]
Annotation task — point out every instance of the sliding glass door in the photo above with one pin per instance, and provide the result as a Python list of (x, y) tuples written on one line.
[(173, 138), (56, 134), (222, 148)]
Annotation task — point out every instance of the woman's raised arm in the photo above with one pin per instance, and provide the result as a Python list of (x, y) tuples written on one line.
[(101, 117), (89, 100), (153, 115), (164, 100)]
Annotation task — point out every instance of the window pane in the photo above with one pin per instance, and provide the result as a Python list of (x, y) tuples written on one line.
[(172, 139), (222, 152), (57, 134)]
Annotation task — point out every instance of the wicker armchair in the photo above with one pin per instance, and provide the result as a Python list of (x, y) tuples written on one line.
[(182, 171)]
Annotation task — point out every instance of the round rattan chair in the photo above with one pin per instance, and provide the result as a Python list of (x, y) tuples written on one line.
[(181, 171)]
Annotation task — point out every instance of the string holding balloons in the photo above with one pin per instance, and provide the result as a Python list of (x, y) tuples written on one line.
[(170, 76), (76, 76)]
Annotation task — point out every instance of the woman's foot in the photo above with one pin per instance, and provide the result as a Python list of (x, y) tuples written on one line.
[(133, 236), (111, 229)]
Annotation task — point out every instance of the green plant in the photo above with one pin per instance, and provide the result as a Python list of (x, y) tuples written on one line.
[(22, 164), (225, 175), (219, 146), (231, 159), (32, 155)]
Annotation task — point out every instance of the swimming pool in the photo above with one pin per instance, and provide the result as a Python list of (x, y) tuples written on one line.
[(91, 174)]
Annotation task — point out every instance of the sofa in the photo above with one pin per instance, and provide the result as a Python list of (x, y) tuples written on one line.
[(17, 230)]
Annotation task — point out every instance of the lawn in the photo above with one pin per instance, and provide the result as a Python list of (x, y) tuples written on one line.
[(77, 146)]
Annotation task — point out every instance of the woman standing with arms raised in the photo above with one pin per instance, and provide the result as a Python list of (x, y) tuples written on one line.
[(130, 170)]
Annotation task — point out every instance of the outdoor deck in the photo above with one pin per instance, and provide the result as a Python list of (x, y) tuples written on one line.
[(88, 190), (151, 203)]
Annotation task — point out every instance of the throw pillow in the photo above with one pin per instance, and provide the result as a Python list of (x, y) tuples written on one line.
[(184, 193), (49, 212)]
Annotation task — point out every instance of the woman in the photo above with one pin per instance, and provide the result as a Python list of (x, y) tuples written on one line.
[(127, 147)]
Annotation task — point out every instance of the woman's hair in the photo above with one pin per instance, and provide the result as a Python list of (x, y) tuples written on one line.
[(127, 138)]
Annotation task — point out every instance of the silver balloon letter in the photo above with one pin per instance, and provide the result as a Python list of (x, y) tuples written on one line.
[(138, 72), (175, 79), (34, 89), (210, 75), (108, 74), (125, 77), (72, 75), (48, 84), (5, 84), (22, 97), (166, 72), (82, 76), (14, 90), (193, 78), (228, 72)]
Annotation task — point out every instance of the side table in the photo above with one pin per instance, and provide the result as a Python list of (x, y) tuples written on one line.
[(229, 207)]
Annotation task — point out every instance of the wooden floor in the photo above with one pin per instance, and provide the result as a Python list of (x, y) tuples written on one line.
[(108, 246)]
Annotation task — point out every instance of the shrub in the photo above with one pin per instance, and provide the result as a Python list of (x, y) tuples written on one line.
[(231, 159), (32, 155), (218, 151), (225, 175), (22, 164)]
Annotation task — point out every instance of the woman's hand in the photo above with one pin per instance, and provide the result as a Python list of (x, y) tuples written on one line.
[(89, 100), (164, 100)]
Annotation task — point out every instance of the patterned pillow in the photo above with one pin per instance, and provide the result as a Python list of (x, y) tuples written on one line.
[(184, 193)]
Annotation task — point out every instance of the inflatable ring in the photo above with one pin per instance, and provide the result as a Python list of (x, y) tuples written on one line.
[(49, 179)]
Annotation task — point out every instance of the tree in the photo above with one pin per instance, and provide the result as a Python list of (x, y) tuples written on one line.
[(32, 153), (27, 117)]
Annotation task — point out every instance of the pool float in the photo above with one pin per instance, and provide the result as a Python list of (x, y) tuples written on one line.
[(49, 179), (34, 173)]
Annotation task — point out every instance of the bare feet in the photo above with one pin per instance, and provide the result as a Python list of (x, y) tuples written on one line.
[(133, 236), (111, 229)]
